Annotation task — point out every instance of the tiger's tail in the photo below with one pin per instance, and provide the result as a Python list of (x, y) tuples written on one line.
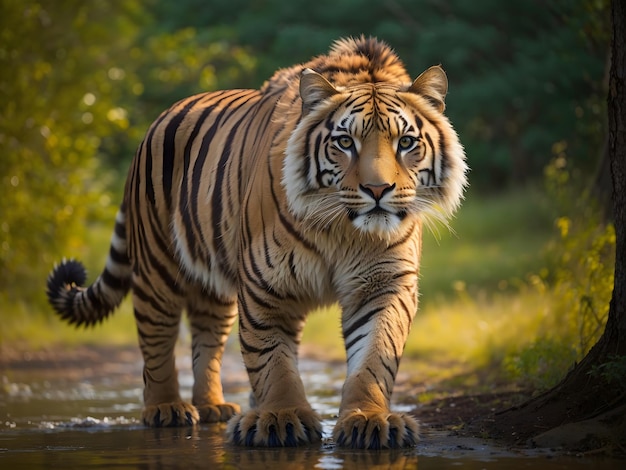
[(88, 306)]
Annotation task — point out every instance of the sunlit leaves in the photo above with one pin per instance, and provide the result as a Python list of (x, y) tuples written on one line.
[(80, 83), (56, 95)]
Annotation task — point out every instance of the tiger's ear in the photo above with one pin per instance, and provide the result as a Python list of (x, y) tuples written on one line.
[(314, 88), (433, 85)]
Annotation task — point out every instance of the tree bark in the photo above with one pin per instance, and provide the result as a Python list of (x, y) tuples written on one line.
[(582, 396), (617, 152)]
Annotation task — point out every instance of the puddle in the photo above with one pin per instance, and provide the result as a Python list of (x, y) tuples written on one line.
[(83, 414)]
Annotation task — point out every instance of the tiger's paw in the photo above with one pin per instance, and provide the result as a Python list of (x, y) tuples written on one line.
[(283, 428), (359, 430), (173, 414), (217, 413)]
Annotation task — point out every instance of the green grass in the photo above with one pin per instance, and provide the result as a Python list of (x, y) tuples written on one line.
[(461, 329), (494, 243), (25, 329)]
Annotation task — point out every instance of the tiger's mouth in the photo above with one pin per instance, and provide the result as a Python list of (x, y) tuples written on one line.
[(377, 220), (380, 211), (376, 211)]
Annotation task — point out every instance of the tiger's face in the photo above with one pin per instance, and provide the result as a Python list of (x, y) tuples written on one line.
[(376, 155)]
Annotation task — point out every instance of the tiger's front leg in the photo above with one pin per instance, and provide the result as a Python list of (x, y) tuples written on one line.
[(282, 416), (375, 333)]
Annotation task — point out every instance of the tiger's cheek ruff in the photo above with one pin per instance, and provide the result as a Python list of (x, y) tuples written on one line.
[(308, 165), (441, 174)]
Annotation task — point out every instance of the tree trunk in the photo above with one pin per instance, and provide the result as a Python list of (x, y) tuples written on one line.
[(584, 397), (602, 186)]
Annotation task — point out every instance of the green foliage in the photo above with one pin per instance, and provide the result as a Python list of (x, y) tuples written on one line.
[(58, 104), (166, 67), (541, 364), (79, 87), (581, 260), (612, 372), (583, 279), (522, 74), (578, 280)]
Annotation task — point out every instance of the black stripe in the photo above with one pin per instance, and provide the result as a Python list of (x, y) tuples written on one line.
[(251, 349), (256, 370), (260, 302), (286, 224), (94, 299), (183, 203), (292, 264), (117, 256), (391, 372), (266, 247), (354, 341), (244, 314), (418, 121), (352, 354), (444, 161), (120, 230), (148, 155), (169, 148), (189, 208), (113, 281), (408, 314), (149, 298), (217, 204), (407, 236), (259, 280), (362, 320)]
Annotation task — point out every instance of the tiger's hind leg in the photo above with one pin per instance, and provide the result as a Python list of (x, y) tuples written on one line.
[(158, 308), (211, 320)]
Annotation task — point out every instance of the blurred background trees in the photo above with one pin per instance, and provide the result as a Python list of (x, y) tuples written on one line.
[(80, 82), (524, 76)]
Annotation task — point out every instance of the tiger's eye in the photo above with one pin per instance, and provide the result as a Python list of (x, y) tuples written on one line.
[(345, 142), (406, 142)]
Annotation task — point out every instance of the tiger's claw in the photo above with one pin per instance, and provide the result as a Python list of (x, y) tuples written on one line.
[(175, 414), (284, 428), (359, 430)]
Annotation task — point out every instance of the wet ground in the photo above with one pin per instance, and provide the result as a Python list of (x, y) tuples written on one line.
[(78, 408)]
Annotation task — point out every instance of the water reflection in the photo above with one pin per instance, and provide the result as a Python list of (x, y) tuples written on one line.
[(201, 447), (321, 459)]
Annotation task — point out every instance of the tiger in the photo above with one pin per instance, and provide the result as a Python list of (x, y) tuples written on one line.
[(261, 205)]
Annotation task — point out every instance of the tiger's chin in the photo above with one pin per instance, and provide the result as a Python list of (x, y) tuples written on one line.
[(380, 224)]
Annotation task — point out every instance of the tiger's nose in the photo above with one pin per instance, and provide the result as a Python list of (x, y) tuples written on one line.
[(377, 191)]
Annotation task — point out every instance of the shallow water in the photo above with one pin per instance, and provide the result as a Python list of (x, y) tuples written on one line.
[(83, 414)]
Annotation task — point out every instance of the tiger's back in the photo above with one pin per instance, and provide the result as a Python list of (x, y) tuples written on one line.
[(188, 201), (268, 203)]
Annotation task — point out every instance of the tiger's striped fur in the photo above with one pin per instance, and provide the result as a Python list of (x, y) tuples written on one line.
[(269, 203)]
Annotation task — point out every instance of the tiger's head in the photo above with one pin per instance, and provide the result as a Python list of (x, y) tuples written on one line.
[(374, 154)]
